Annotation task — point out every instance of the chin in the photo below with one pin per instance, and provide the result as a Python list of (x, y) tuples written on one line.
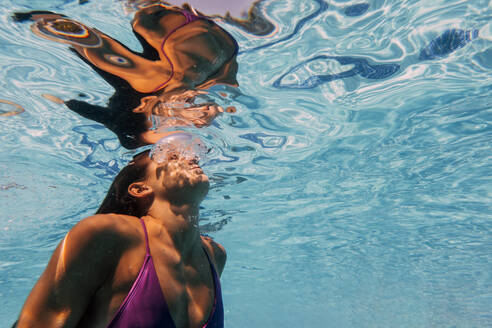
[(198, 181), (204, 178), (202, 183)]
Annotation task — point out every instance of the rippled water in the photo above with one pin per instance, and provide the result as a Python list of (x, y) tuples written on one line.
[(352, 188)]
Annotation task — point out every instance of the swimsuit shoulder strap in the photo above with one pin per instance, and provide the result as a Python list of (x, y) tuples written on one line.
[(147, 246)]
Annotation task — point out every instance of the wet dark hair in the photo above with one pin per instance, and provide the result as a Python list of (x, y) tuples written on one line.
[(118, 200)]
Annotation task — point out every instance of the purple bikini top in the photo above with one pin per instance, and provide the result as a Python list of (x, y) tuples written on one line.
[(145, 305)]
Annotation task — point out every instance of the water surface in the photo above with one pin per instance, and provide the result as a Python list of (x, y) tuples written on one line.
[(360, 198)]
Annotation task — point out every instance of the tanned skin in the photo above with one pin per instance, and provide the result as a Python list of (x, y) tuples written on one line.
[(95, 265)]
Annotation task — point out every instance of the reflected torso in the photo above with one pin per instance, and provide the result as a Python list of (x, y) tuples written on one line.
[(198, 49)]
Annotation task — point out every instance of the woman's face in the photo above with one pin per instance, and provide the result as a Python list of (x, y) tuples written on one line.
[(178, 179)]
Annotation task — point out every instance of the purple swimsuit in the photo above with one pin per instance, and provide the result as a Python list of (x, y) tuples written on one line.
[(146, 307)]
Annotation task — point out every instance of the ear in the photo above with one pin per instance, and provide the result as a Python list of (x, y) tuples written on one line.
[(140, 189)]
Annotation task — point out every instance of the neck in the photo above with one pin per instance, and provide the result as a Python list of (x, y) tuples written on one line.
[(180, 224)]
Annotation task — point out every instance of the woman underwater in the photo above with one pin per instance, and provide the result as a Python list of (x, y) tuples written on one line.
[(183, 54), (140, 261)]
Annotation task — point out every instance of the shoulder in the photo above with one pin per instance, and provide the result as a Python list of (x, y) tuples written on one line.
[(217, 251), (101, 235), (82, 263), (101, 225)]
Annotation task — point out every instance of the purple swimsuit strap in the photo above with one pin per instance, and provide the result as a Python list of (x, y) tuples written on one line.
[(147, 246)]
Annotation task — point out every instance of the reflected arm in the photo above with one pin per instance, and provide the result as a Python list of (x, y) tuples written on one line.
[(92, 112)]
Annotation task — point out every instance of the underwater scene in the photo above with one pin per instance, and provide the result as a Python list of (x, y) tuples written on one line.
[(348, 146)]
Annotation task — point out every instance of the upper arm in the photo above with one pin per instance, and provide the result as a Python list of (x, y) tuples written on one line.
[(220, 256), (218, 252), (78, 267)]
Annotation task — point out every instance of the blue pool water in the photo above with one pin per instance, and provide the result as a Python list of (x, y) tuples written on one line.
[(352, 188)]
